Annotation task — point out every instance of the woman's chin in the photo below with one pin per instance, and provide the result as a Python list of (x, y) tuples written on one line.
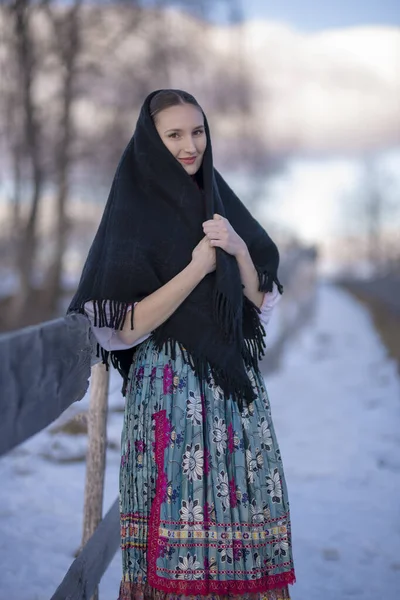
[(191, 169)]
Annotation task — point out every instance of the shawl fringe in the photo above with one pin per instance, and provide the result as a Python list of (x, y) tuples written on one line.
[(225, 317), (107, 313), (254, 346), (232, 384), (112, 314), (267, 280)]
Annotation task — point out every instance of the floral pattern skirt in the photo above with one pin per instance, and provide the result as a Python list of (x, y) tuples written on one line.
[(203, 500)]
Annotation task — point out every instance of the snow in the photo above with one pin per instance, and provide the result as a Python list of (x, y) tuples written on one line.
[(336, 409), (337, 415)]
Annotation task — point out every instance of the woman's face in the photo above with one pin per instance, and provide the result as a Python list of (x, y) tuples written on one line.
[(181, 128)]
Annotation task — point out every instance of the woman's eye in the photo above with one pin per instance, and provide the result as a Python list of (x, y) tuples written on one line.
[(199, 132), (173, 135)]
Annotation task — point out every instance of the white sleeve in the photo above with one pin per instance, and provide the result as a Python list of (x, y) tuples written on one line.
[(109, 338), (267, 307)]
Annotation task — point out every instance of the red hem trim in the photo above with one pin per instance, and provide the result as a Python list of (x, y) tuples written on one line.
[(193, 587)]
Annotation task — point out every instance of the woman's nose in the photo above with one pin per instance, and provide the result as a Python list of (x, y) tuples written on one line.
[(189, 145)]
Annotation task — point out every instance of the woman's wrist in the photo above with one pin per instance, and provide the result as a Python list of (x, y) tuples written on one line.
[(199, 271), (243, 253), (249, 276)]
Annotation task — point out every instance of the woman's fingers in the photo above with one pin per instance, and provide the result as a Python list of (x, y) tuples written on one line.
[(214, 227), (217, 221), (221, 234), (208, 228), (217, 235), (208, 225), (216, 230)]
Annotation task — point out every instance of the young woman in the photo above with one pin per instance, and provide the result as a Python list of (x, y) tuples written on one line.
[(179, 281)]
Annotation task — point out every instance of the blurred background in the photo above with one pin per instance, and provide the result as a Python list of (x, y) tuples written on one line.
[(303, 101)]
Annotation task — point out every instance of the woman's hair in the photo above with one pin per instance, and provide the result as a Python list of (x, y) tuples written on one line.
[(167, 98)]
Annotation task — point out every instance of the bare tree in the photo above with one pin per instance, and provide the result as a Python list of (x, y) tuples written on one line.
[(11, 133), (367, 219), (20, 12), (66, 29), (377, 207)]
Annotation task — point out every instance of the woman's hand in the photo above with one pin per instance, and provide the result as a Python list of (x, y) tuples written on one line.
[(222, 235), (204, 256)]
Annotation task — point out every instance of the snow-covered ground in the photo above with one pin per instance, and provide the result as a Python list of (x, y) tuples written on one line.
[(336, 408)]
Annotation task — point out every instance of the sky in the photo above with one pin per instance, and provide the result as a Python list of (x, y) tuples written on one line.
[(309, 15)]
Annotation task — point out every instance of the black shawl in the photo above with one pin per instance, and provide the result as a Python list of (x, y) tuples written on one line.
[(151, 223)]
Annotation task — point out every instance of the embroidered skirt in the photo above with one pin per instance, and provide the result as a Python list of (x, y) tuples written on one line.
[(203, 500)]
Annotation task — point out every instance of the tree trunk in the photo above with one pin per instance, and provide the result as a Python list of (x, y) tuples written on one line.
[(28, 242), (67, 45), (16, 199)]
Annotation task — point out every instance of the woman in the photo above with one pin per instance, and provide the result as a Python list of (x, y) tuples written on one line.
[(178, 283)]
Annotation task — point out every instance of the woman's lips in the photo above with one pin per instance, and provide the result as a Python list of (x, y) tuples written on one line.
[(188, 161)]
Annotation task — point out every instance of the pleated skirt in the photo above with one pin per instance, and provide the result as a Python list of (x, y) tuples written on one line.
[(203, 499)]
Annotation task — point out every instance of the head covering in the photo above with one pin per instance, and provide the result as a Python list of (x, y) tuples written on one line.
[(151, 224)]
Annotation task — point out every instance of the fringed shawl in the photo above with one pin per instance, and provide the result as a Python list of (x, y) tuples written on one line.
[(151, 223)]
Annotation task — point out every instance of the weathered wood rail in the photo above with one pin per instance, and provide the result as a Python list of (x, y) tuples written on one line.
[(43, 370), (86, 571)]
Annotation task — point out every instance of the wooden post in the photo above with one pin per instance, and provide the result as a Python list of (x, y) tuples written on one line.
[(96, 453)]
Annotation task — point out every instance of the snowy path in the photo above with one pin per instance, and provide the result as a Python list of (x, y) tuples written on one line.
[(337, 414), (336, 409)]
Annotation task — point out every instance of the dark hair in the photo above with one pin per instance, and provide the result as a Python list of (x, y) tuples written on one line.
[(167, 98)]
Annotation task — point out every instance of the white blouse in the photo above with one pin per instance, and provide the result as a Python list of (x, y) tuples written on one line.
[(110, 339)]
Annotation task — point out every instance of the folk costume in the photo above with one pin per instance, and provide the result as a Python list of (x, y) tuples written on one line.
[(204, 507)]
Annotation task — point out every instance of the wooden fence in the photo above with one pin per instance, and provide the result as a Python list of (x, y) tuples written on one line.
[(45, 368)]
